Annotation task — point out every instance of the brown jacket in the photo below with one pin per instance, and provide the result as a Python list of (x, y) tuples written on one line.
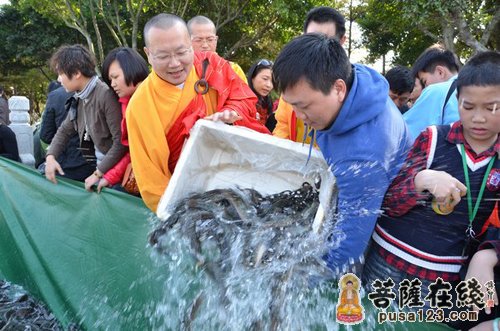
[(103, 114)]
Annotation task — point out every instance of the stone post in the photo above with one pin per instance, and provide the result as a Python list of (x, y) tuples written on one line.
[(19, 117)]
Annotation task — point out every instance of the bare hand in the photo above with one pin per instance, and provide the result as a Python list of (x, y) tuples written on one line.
[(51, 167), (444, 187), (102, 183), (226, 116), (91, 181), (481, 267)]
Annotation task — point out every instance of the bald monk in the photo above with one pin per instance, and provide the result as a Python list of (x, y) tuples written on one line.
[(204, 38), (169, 102)]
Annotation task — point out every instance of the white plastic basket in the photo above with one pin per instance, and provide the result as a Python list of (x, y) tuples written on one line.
[(219, 156)]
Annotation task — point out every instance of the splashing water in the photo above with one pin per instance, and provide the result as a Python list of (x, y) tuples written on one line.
[(238, 260)]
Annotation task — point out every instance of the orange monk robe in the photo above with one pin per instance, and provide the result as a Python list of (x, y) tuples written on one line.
[(157, 106), (288, 126)]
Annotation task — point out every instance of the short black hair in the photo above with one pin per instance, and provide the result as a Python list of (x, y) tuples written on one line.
[(162, 21), (135, 68), (318, 59), (434, 56), (349, 281), (69, 59), (400, 80), (324, 15), (483, 69)]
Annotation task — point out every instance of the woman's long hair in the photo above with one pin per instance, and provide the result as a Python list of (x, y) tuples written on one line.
[(264, 102)]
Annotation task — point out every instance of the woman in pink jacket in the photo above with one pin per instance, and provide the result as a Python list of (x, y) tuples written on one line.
[(123, 70)]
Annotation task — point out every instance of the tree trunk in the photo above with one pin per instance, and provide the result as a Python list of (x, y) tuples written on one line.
[(100, 55), (448, 35), (135, 17), (465, 33), (383, 64)]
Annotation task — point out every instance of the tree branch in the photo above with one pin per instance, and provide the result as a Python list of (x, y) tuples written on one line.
[(104, 14), (427, 32), (134, 17), (495, 20), (100, 49), (464, 31), (245, 41), (117, 22), (232, 16)]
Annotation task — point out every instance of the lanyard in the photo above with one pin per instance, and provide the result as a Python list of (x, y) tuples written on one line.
[(472, 213)]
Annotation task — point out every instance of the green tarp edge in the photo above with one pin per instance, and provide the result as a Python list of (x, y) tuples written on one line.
[(86, 255)]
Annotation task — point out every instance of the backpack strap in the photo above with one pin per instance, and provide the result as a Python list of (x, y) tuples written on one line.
[(452, 89)]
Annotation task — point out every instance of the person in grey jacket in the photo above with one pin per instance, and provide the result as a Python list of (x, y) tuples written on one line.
[(94, 113)]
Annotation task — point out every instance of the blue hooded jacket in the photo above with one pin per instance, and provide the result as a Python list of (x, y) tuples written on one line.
[(365, 148)]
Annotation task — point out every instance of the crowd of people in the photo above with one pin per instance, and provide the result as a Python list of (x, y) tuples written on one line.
[(415, 153)]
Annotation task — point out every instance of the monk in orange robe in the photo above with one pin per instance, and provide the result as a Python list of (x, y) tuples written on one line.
[(183, 87)]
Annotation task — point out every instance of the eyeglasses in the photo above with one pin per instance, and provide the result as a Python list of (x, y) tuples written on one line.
[(208, 40), (167, 58), (265, 63)]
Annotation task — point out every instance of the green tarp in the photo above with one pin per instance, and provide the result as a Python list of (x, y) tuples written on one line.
[(85, 255)]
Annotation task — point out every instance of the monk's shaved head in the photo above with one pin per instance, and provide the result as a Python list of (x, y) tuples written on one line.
[(200, 20), (163, 21)]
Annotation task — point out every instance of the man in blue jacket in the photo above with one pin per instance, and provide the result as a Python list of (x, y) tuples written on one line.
[(360, 132)]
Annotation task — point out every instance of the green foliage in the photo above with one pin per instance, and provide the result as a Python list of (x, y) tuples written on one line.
[(248, 29), (408, 27), (385, 28), (32, 84), (28, 41)]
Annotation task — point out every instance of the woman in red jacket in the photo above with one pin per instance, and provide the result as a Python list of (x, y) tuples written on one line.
[(260, 80), (123, 70)]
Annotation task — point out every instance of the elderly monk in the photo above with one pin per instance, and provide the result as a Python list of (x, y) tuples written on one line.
[(204, 38), (172, 98)]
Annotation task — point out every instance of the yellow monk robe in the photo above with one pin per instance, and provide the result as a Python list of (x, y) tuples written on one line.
[(288, 126), (237, 69), (149, 148), (157, 106)]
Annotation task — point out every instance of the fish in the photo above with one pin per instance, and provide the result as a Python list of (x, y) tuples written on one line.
[(21, 311), (249, 231)]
